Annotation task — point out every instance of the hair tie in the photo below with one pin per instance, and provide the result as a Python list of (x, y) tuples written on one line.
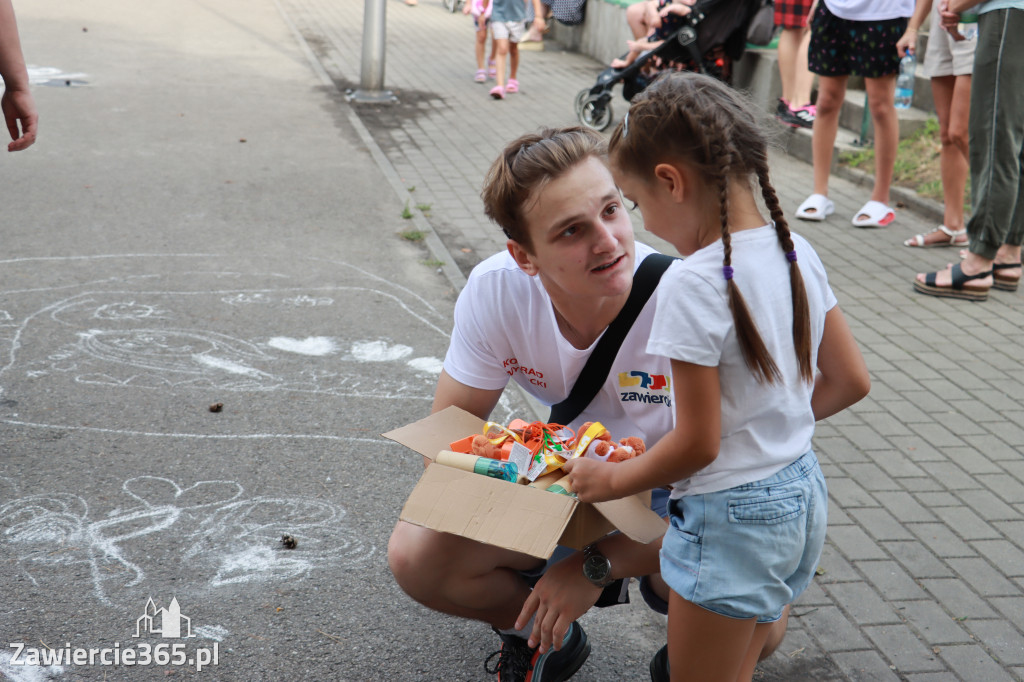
[(625, 125), (791, 256), (727, 272)]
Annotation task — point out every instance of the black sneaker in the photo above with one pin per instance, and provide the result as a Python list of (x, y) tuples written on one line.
[(659, 665), (799, 118), (517, 662)]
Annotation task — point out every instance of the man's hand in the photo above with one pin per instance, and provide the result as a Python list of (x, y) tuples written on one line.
[(561, 596), (591, 479), (20, 115)]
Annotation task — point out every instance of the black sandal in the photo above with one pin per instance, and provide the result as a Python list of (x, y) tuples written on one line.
[(956, 288)]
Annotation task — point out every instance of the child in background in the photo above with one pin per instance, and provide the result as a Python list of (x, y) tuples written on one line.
[(651, 21), (481, 11), (508, 24), (856, 37), (751, 372)]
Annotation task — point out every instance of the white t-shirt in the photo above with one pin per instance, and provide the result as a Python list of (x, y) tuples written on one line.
[(870, 10), (505, 328), (765, 427)]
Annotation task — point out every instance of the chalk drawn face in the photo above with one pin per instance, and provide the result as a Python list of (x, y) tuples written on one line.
[(123, 347), (133, 353)]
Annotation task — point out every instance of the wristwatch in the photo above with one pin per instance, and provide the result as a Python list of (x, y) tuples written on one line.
[(597, 568)]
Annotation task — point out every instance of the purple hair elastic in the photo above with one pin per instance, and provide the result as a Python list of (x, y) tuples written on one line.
[(791, 256), (727, 272)]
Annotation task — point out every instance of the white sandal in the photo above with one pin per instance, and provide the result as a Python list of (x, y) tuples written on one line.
[(918, 240), (878, 215), (816, 207)]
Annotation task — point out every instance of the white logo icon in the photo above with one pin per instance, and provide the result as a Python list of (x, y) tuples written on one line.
[(166, 622)]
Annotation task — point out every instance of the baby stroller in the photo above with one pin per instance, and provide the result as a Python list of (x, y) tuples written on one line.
[(707, 40)]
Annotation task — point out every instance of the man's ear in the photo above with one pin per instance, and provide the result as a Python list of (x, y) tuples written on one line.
[(522, 257), (672, 179)]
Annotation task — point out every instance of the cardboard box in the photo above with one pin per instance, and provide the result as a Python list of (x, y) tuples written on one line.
[(506, 514)]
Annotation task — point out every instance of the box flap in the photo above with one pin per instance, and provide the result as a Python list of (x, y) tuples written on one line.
[(495, 512), (634, 517), (432, 434), (586, 526)]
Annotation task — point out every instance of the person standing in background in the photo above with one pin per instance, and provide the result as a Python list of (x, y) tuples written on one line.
[(795, 108), (996, 228), (949, 64)]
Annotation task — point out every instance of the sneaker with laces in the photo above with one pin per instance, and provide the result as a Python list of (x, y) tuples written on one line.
[(517, 662), (659, 665)]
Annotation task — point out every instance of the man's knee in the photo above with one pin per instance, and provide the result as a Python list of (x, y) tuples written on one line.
[(409, 557)]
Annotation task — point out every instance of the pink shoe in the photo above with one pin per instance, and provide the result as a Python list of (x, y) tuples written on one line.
[(481, 75), (498, 92), (492, 69), (513, 85)]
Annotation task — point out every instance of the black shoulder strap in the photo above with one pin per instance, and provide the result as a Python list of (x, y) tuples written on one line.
[(595, 371)]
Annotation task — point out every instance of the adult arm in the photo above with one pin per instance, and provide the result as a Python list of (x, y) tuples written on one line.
[(949, 15), (538, 17), (908, 42), (843, 377), (563, 593), (19, 108), (476, 401)]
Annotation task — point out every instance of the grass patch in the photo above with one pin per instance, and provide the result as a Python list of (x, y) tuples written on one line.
[(433, 263), (412, 235), (406, 213), (917, 164)]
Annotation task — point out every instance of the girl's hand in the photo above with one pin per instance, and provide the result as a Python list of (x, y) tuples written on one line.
[(592, 480)]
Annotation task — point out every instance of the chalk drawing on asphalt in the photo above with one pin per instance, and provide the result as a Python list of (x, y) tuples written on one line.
[(105, 340), (219, 536)]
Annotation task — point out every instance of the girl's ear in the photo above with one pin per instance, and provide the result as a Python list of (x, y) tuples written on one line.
[(522, 257), (672, 179)]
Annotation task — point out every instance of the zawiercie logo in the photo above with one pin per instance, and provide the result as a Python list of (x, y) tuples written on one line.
[(165, 622), (168, 622)]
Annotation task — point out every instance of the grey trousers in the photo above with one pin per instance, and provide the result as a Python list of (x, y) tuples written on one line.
[(996, 132)]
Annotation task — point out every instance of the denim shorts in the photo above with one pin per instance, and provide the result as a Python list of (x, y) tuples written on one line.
[(748, 551)]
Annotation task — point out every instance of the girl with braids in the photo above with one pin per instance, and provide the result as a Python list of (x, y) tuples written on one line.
[(759, 351)]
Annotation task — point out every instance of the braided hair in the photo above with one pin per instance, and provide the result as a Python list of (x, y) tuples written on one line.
[(688, 117)]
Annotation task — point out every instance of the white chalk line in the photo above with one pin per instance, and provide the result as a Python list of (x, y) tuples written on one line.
[(200, 436), (363, 272)]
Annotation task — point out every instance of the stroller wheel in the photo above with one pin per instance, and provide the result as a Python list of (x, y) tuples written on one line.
[(581, 99), (594, 111)]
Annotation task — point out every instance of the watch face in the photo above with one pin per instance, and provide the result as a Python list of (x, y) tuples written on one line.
[(597, 568)]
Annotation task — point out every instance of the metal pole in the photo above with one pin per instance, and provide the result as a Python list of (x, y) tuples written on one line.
[(371, 76)]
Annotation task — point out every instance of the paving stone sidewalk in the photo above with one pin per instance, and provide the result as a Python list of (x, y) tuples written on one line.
[(922, 577)]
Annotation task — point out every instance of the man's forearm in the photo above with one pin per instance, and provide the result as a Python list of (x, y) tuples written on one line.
[(12, 63)]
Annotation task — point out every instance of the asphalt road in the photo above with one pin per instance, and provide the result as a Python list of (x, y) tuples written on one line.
[(199, 224)]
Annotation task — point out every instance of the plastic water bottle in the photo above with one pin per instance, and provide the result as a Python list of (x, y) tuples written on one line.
[(905, 82), (968, 26)]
